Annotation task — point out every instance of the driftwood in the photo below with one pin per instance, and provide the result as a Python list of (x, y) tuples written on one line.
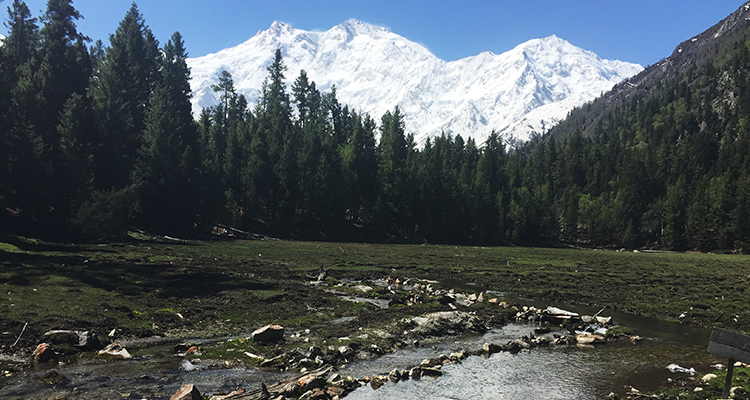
[(293, 387)]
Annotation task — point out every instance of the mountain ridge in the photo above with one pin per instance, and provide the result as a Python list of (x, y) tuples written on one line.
[(690, 53), (519, 93)]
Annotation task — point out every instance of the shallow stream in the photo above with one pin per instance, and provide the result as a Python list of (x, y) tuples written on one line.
[(541, 373)]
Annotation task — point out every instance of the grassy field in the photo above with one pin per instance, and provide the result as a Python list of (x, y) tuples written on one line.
[(154, 285)]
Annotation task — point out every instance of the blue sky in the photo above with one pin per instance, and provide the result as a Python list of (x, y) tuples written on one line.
[(641, 31)]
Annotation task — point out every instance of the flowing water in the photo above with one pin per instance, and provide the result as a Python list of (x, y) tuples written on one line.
[(541, 373)]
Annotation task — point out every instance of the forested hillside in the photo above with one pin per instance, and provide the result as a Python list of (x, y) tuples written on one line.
[(96, 140)]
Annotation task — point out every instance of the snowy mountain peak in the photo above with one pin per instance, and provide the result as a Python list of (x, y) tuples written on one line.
[(355, 27), (520, 93)]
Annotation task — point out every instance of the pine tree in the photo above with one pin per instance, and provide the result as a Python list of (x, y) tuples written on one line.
[(120, 91), (166, 172), (392, 177), (17, 50)]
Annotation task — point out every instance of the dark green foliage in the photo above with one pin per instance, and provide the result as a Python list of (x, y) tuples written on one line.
[(105, 216), (166, 173), (94, 140), (120, 91)]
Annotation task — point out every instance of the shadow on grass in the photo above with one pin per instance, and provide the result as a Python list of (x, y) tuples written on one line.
[(33, 246), (131, 279), (162, 280)]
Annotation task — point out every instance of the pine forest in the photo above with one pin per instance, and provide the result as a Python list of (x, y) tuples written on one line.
[(98, 139)]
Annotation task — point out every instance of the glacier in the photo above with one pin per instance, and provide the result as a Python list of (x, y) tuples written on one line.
[(518, 94)]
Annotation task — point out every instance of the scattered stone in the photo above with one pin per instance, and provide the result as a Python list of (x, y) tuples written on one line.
[(268, 334), (446, 323), (435, 361), (586, 339), (334, 391), (515, 346), (254, 356), (116, 351), (674, 368), (491, 348), (52, 377), (187, 392), (314, 351), (394, 376), (415, 373), (708, 377), (457, 357), (376, 381), (309, 382), (229, 395), (432, 372), (85, 341), (44, 353), (318, 394), (272, 362), (345, 351)]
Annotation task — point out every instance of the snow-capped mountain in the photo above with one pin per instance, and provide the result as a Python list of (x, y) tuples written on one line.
[(522, 92)]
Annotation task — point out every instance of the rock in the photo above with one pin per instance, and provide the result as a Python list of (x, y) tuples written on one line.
[(314, 351), (491, 348), (448, 298), (85, 341), (345, 351), (52, 377), (187, 392), (318, 394), (235, 393), (585, 338), (435, 361), (335, 377), (394, 376), (268, 334), (480, 298), (446, 323), (271, 362), (457, 357), (182, 347), (116, 351), (44, 353), (254, 356), (515, 346), (376, 381), (432, 372), (334, 391), (310, 382), (674, 368), (415, 373), (708, 377)]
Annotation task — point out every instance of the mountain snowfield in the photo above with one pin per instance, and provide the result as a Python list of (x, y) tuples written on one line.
[(519, 93)]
